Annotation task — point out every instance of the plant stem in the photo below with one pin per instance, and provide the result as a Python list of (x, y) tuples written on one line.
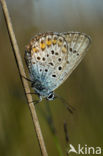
[(21, 70)]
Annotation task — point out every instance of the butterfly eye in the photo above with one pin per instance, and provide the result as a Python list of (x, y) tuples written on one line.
[(50, 96), (51, 58)]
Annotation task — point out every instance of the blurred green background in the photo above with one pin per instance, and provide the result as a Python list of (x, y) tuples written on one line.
[(83, 89)]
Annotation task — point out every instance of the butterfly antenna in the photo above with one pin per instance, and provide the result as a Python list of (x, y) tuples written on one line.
[(66, 132), (70, 108), (49, 117)]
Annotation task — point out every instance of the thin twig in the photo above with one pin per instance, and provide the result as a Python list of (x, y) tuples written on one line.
[(18, 59)]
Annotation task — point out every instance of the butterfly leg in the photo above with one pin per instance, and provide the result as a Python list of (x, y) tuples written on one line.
[(29, 81), (26, 78), (37, 101)]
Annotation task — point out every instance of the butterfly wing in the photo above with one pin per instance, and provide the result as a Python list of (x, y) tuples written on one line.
[(78, 44), (51, 58)]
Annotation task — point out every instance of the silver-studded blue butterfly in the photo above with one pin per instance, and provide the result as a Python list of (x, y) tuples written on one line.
[(51, 57)]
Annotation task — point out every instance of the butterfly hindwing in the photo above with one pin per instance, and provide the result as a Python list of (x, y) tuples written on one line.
[(78, 44), (47, 60)]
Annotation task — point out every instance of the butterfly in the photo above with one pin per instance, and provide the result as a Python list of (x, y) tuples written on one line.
[(51, 57)]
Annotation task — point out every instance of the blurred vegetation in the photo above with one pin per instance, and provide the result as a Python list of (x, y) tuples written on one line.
[(83, 89)]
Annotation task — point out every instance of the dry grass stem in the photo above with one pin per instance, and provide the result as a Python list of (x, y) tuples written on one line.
[(24, 82)]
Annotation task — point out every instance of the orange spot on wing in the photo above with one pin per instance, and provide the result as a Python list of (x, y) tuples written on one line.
[(64, 49), (48, 42), (35, 49), (60, 42), (54, 41), (42, 46)]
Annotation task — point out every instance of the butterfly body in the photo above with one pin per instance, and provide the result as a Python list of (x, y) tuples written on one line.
[(51, 58)]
